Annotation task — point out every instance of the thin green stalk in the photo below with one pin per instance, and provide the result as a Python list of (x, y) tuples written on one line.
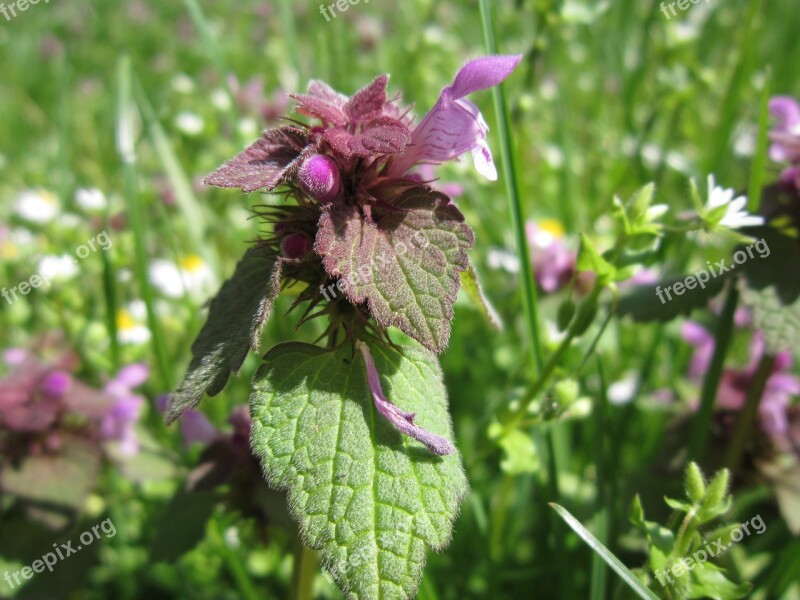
[(290, 35), (499, 513), (306, 565), (702, 421), (126, 149), (577, 326), (511, 180), (602, 508), (210, 44), (739, 79), (747, 415), (760, 157), (234, 564)]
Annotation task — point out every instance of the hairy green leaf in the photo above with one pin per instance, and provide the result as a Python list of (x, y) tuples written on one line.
[(780, 323), (235, 319), (403, 261), (372, 500)]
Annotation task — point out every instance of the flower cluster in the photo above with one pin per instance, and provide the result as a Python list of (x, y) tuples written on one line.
[(42, 403), (775, 409), (358, 172)]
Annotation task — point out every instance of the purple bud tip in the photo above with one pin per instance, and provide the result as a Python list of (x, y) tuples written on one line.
[(402, 421), (296, 245), (319, 177)]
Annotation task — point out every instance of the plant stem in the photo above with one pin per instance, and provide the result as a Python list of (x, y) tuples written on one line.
[(305, 569), (701, 427), (748, 414), (511, 180), (234, 564)]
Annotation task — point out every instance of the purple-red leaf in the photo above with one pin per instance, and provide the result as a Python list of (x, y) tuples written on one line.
[(264, 164), (368, 102), (405, 263), (384, 135)]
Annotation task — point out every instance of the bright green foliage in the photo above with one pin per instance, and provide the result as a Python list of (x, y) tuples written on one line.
[(372, 500), (679, 558)]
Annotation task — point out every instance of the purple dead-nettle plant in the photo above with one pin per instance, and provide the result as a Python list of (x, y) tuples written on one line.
[(371, 246)]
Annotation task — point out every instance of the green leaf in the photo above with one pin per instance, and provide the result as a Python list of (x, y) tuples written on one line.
[(643, 303), (589, 259), (235, 319), (472, 287), (775, 262), (706, 580), (694, 482), (182, 525), (519, 452), (679, 505), (403, 261), (616, 564), (779, 322), (372, 500)]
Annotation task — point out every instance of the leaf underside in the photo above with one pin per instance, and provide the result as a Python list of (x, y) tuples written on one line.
[(643, 304), (373, 501), (404, 263), (235, 319)]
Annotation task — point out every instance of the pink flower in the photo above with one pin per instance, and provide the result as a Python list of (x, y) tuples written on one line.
[(699, 337), (455, 125), (786, 135), (196, 428), (554, 264), (735, 383), (118, 423)]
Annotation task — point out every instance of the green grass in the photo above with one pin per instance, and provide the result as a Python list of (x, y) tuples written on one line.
[(609, 97)]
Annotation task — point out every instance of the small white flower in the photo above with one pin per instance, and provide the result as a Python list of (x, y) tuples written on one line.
[(189, 123), (221, 99), (130, 324), (36, 206), (183, 84), (90, 199), (190, 276), (58, 267), (735, 215), (622, 391), (498, 259)]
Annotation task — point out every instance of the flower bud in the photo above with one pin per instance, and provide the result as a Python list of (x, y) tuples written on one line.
[(296, 245), (319, 177)]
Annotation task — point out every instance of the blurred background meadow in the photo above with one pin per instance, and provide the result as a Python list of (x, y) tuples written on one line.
[(112, 114)]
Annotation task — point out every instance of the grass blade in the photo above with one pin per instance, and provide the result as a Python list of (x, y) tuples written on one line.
[(624, 572), (511, 180)]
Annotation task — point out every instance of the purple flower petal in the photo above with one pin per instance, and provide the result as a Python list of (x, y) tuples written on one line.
[(196, 428), (455, 125), (403, 421), (699, 337), (786, 135), (133, 375), (14, 357)]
